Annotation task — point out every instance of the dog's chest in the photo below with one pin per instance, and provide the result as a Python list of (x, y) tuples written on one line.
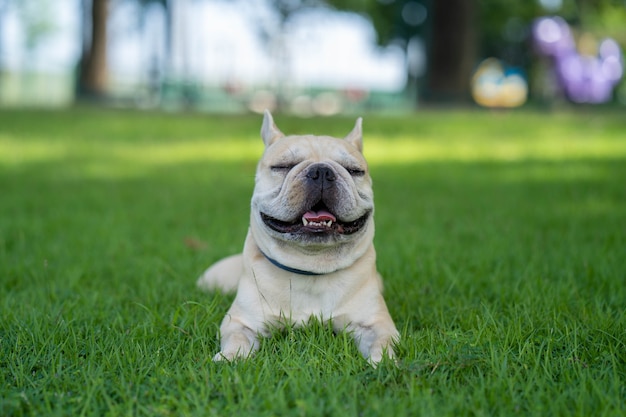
[(309, 297)]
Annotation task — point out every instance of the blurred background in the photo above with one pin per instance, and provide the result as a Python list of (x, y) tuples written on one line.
[(312, 56)]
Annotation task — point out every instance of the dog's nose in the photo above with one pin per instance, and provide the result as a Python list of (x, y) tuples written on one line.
[(321, 173)]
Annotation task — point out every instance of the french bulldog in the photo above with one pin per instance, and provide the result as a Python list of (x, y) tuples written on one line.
[(309, 251)]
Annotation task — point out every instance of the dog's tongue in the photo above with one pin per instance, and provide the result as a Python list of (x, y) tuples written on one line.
[(319, 216)]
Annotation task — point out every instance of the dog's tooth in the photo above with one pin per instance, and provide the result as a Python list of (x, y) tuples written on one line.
[(305, 221), (329, 223)]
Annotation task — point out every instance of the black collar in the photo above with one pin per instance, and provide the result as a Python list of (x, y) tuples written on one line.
[(288, 268)]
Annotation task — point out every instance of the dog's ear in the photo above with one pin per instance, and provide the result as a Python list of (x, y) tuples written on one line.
[(269, 130), (356, 136)]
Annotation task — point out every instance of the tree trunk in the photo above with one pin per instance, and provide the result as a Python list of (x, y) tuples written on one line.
[(452, 52), (93, 67)]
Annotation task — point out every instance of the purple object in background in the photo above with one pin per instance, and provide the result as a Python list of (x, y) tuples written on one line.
[(552, 36), (583, 78)]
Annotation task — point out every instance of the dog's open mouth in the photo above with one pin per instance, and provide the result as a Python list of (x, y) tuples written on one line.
[(318, 220)]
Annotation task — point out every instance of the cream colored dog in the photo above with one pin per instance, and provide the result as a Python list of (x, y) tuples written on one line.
[(309, 250)]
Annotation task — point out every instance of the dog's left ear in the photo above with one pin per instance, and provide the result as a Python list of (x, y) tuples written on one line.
[(356, 136), (269, 130)]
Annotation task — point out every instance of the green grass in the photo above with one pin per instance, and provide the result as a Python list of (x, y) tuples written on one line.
[(501, 237)]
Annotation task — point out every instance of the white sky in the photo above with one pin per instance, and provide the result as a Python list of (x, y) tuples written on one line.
[(216, 42)]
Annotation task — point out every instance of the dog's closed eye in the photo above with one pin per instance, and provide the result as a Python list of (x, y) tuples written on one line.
[(282, 167), (355, 172)]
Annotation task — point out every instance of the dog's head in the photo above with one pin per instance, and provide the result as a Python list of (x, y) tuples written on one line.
[(313, 203)]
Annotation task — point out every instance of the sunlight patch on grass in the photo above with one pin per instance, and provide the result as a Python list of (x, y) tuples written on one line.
[(408, 150), (13, 152), (121, 160), (377, 150), (180, 152), (117, 159)]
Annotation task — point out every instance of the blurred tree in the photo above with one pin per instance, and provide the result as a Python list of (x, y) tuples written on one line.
[(36, 21), (457, 33), (155, 69), (92, 69), (93, 74), (448, 30), (452, 52), (271, 30), (4, 5), (37, 18)]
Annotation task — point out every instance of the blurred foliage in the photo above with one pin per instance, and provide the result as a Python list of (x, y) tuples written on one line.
[(607, 20), (384, 15), (502, 27), (501, 22), (35, 15)]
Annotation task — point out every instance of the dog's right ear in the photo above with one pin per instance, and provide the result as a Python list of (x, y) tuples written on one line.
[(356, 136), (269, 130)]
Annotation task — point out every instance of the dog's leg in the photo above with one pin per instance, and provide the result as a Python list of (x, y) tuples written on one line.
[(376, 341), (223, 275), (374, 336), (238, 340)]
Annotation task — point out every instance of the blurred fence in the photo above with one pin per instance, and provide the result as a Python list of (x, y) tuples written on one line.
[(52, 90)]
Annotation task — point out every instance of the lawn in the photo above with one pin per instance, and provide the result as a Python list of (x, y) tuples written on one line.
[(501, 237)]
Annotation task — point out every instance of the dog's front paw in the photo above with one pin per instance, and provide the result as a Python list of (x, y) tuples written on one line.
[(229, 355), (237, 346), (375, 342), (378, 354)]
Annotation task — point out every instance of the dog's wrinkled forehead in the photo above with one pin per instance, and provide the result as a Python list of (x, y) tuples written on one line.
[(291, 150)]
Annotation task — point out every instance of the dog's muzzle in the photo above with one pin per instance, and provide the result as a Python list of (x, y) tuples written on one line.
[(318, 218), (316, 221)]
